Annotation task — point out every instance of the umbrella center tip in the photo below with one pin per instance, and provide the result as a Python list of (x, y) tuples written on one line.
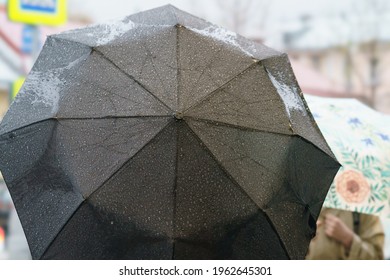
[(178, 115)]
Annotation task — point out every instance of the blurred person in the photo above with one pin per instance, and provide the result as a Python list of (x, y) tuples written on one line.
[(345, 235)]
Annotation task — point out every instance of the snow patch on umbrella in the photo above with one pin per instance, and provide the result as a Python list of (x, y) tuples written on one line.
[(289, 95), (45, 86), (45, 89), (111, 30), (225, 36)]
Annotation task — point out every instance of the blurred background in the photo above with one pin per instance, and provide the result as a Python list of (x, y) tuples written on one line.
[(338, 48)]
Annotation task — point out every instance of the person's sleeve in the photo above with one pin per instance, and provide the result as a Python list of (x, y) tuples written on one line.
[(369, 245)]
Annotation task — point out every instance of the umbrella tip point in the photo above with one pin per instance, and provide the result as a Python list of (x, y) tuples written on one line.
[(178, 115)]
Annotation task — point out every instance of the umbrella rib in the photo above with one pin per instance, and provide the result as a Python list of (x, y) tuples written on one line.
[(208, 96), (111, 117), (177, 134), (131, 77), (178, 76), (103, 141), (175, 197), (238, 126), (259, 130), (86, 118)]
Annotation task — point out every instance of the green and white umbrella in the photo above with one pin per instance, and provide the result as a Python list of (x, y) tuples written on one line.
[(360, 138)]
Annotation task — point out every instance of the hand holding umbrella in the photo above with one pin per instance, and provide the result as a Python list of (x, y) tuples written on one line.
[(335, 228)]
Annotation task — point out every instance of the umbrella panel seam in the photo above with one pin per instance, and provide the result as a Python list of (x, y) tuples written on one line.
[(249, 129), (175, 196)]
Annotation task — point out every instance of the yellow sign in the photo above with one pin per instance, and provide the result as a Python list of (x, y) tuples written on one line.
[(16, 86), (46, 12)]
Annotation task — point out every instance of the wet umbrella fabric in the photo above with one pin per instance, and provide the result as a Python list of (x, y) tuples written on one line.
[(162, 136)]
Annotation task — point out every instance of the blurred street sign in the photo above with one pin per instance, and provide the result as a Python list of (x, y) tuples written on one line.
[(46, 12), (27, 39), (16, 85)]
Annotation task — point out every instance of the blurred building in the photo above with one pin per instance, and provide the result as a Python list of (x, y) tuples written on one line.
[(12, 60), (351, 53), (314, 82)]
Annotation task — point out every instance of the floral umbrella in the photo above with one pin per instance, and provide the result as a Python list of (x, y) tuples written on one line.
[(360, 139)]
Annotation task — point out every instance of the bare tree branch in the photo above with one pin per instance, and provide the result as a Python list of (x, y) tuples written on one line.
[(239, 15)]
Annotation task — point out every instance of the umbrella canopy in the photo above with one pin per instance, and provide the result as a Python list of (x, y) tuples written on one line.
[(162, 136), (360, 138)]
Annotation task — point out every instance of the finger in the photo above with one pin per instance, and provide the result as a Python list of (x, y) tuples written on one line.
[(329, 233), (331, 217), (329, 222), (333, 220)]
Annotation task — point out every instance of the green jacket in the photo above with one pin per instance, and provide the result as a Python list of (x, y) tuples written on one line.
[(366, 245)]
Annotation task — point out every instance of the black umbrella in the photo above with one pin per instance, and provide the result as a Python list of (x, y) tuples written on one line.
[(163, 136)]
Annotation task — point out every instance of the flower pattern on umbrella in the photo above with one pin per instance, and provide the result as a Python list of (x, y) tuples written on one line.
[(360, 139), (352, 186)]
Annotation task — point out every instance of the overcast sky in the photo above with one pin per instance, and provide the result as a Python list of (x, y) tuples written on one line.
[(101, 10), (278, 15), (279, 10)]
